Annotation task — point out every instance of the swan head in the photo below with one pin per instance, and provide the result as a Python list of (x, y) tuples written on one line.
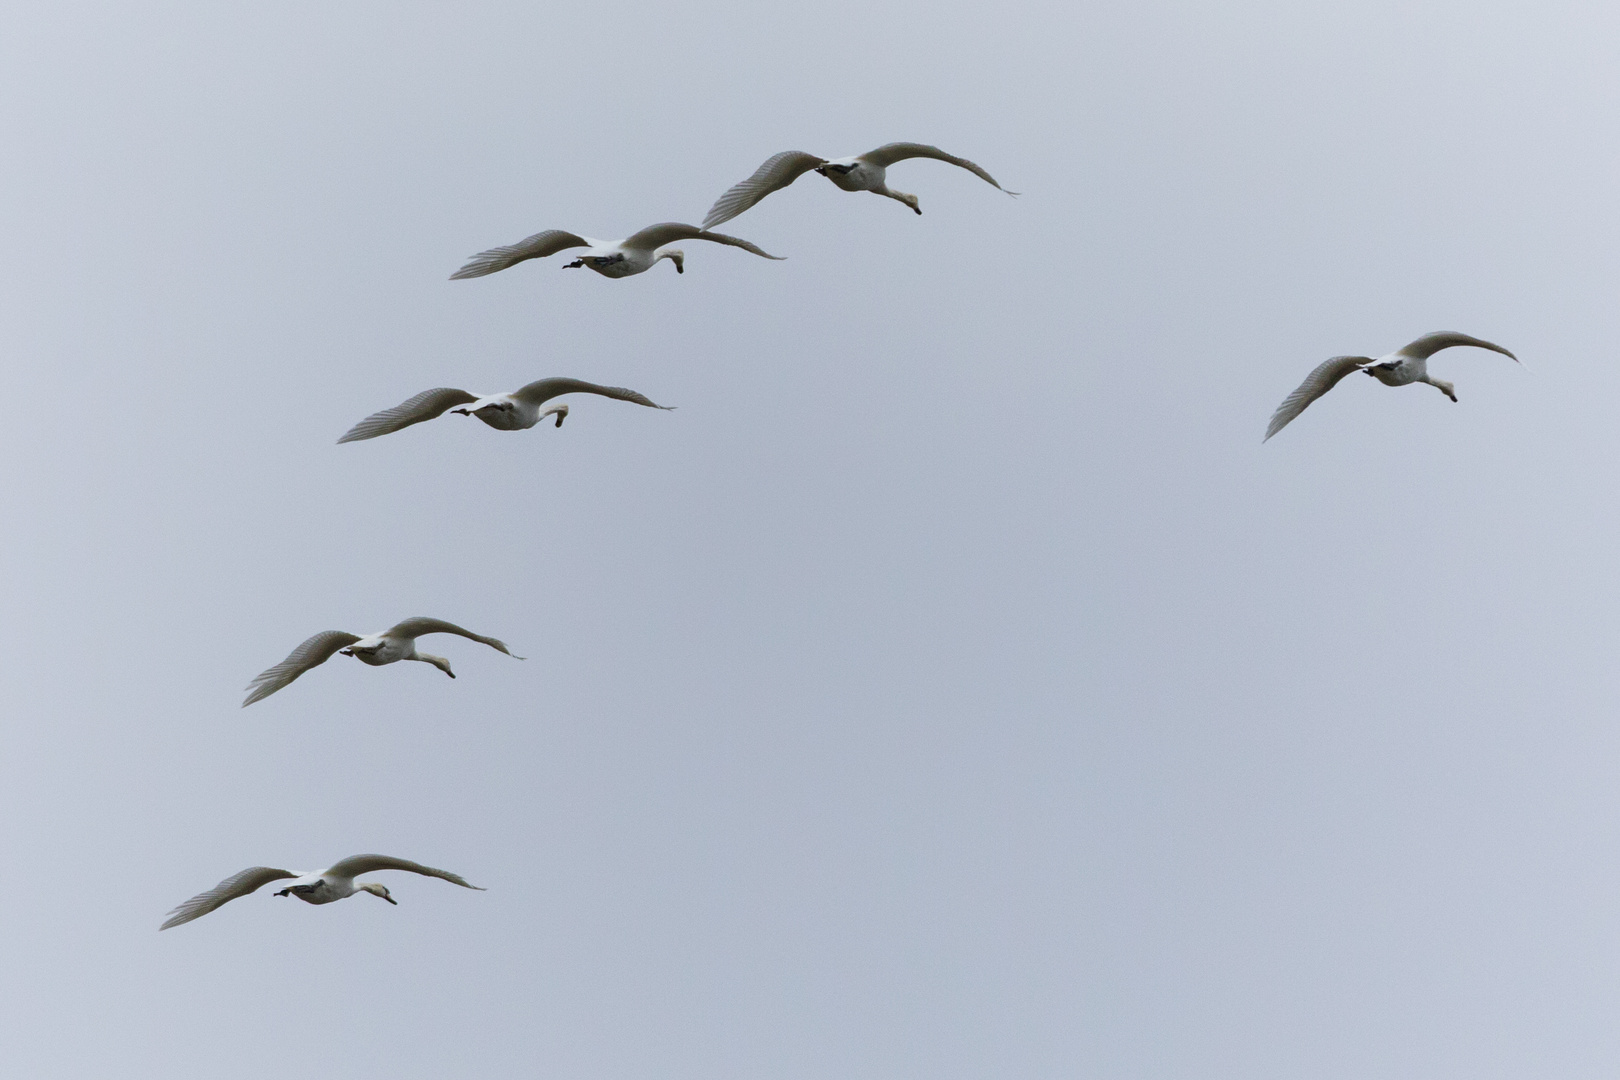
[(909, 200), (375, 890), (676, 256), (1448, 389), (559, 410)]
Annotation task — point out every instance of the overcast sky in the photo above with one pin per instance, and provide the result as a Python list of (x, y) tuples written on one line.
[(953, 686)]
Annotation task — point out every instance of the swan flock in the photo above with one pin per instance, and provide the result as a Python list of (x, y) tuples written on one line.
[(519, 410), (534, 402)]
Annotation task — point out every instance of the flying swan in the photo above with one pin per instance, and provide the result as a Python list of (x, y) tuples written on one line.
[(863, 173), (317, 887), (610, 258), (505, 412), (1408, 364), (391, 645)]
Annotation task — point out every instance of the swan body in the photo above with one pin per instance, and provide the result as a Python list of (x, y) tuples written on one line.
[(516, 411), (1406, 365), (390, 646), (316, 887), (864, 172), (635, 254)]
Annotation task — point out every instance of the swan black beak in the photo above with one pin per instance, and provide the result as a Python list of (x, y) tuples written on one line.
[(575, 265)]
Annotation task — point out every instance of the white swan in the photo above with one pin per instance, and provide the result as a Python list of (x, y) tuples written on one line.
[(1408, 364), (610, 258), (505, 412), (316, 887), (388, 647), (865, 172)]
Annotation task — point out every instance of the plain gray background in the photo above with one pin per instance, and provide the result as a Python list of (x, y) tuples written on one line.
[(953, 686)]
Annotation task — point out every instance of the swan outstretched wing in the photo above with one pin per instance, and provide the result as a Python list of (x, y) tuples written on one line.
[(1326, 375), (237, 885), (1429, 344), (656, 236), (543, 390), (355, 865), (899, 151), (777, 173), (415, 628), (424, 406), (312, 653), (537, 246)]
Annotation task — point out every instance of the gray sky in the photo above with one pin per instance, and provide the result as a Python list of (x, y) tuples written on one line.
[(953, 686)]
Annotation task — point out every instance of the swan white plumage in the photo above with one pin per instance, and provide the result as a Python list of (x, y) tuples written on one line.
[(516, 411), (864, 172), (390, 646), (1408, 364), (634, 254), (336, 882)]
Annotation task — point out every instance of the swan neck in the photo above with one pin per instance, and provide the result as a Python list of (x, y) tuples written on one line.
[(437, 661), (900, 196)]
